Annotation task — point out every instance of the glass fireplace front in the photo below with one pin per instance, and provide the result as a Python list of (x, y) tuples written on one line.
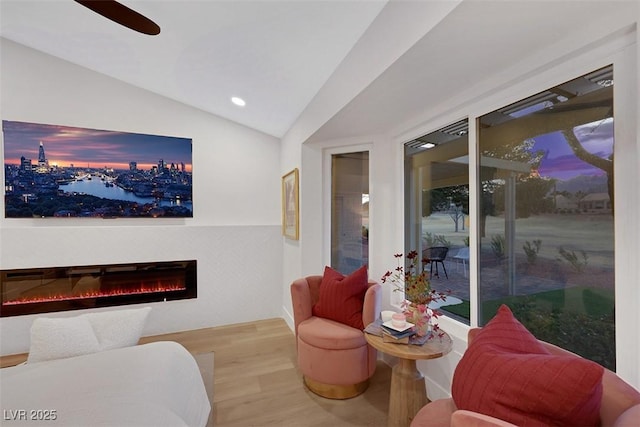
[(49, 289)]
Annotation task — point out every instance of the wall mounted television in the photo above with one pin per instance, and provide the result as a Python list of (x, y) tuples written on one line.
[(54, 171)]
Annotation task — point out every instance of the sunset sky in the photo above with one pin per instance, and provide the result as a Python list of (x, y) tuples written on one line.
[(560, 162), (65, 145)]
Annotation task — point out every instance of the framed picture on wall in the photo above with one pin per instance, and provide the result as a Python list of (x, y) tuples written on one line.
[(290, 205)]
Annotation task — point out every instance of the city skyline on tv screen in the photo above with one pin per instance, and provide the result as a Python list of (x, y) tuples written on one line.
[(65, 171)]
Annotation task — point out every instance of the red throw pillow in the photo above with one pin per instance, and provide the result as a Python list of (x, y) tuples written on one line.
[(506, 373), (342, 297), (505, 331)]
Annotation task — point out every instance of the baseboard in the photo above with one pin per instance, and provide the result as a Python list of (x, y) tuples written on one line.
[(288, 318)]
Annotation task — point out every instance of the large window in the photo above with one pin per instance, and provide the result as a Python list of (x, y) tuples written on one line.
[(546, 225), (437, 211), (349, 211), (545, 220)]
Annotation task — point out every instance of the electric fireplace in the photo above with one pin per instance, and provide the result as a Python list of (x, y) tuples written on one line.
[(49, 289)]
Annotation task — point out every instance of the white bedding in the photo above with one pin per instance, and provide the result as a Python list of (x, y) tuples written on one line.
[(157, 384)]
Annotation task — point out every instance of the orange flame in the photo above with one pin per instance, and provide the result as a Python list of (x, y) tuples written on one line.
[(141, 289)]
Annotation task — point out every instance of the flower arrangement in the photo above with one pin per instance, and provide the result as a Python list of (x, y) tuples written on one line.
[(418, 293)]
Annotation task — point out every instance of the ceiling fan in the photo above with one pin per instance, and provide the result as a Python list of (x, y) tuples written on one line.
[(121, 14)]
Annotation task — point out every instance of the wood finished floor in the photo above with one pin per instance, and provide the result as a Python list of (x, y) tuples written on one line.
[(257, 382)]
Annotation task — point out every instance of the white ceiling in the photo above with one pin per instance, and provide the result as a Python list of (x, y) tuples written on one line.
[(477, 42), (278, 54), (275, 55)]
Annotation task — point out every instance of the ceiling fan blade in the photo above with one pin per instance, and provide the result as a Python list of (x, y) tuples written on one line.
[(121, 14)]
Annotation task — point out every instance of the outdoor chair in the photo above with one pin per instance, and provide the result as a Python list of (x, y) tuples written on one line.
[(435, 255), (462, 257)]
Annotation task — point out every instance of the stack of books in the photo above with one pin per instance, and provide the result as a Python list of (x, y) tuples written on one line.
[(397, 335), (391, 334)]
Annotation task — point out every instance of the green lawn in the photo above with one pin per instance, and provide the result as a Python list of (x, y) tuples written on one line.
[(583, 300), (580, 319)]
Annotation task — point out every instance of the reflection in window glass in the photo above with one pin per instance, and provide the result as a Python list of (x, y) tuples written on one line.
[(437, 211), (546, 215), (349, 211)]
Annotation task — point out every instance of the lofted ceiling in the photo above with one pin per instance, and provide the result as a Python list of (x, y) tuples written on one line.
[(275, 55)]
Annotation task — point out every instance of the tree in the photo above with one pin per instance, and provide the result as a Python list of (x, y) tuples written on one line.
[(441, 199), (492, 198), (457, 214), (454, 200), (601, 163), (532, 196)]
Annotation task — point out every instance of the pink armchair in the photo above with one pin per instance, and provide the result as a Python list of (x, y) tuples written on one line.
[(620, 405), (335, 359)]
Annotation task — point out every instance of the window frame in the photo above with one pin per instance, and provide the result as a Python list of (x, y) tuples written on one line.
[(620, 50)]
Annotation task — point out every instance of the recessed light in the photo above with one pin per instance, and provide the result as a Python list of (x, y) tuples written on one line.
[(238, 101), (428, 145)]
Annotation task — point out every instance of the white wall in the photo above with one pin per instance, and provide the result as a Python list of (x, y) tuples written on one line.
[(234, 235)]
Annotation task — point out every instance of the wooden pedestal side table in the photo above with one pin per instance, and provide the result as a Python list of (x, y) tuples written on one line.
[(408, 392)]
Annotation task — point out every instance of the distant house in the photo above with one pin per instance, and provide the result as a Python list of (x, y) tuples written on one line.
[(596, 202), (564, 203)]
